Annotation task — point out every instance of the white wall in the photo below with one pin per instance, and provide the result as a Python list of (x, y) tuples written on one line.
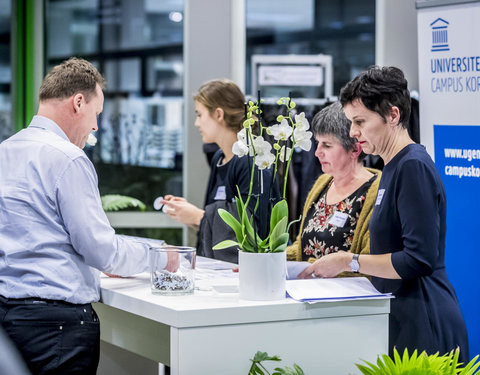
[(214, 47), (396, 37)]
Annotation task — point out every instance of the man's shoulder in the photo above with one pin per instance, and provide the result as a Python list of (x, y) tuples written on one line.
[(56, 145)]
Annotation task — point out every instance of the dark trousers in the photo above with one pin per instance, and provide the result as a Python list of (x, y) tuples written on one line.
[(53, 337)]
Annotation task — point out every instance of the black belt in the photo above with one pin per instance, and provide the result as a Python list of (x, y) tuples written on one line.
[(34, 301)]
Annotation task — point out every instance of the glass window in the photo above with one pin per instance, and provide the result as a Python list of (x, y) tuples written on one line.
[(344, 30), (138, 47), (6, 123)]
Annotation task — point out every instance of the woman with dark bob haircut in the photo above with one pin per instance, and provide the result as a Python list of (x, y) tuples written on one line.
[(338, 208), (408, 224)]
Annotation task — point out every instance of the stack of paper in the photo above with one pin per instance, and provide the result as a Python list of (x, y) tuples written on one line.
[(336, 289)]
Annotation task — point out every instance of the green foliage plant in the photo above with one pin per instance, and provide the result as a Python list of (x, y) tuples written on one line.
[(115, 202), (292, 130), (258, 368), (422, 364)]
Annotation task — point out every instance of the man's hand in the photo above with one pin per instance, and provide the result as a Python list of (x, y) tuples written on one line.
[(173, 261)]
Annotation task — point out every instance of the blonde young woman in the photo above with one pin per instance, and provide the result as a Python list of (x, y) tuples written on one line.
[(220, 111)]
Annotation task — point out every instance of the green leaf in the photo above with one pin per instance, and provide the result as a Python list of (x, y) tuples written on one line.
[(298, 369), (279, 211), (260, 356), (275, 237), (366, 370), (280, 243), (115, 202), (247, 231), (230, 220), (225, 244)]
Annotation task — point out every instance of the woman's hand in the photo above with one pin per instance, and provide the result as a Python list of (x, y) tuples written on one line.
[(328, 266), (179, 209)]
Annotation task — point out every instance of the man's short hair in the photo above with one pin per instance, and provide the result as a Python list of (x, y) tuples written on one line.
[(70, 77), (379, 89)]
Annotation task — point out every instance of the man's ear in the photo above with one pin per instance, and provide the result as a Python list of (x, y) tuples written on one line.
[(78, 101)]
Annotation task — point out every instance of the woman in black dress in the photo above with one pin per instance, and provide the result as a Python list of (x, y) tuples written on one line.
[(220, 112), (408, 224)]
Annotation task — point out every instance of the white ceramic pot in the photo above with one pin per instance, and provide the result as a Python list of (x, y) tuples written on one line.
[(262, 275)]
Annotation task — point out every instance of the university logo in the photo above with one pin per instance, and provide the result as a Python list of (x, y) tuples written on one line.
[(440, 35)]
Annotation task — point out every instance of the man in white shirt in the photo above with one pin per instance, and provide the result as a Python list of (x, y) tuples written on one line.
[(54, 236)]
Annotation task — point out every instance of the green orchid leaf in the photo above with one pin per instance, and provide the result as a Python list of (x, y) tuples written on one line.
[(279, 211), (278, 231), (280, 248), (263, 243), (231, 221), (280, 243), (240, 204), (225, 244), (248, 232)]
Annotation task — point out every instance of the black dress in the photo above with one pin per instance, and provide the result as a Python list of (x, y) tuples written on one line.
[(409, 221)]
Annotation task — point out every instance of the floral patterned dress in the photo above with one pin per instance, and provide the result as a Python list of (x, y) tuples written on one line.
[(329, 228)]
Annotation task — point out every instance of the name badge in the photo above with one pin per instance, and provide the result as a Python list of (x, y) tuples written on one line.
[(220, 195), (379, 197), (338, 219)]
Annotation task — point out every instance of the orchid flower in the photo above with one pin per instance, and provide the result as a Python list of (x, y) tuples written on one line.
[(282, 131), (240, 148), (302, 139), (261, 146), (281, 154), (265, 160), (301, 123)]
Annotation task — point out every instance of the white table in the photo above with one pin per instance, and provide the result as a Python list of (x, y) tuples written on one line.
[(217, 333)]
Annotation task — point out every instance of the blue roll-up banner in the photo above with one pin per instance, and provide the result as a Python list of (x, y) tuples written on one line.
[(449, 75)]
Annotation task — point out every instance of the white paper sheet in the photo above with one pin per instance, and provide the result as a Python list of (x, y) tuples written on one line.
[(335, 289), (213, 264)]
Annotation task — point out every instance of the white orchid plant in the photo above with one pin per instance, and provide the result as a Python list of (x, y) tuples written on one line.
[(290, 131)]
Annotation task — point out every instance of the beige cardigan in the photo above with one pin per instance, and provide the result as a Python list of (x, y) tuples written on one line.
[(361, 236)]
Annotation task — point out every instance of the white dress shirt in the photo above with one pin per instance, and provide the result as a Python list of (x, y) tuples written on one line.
[(54, 234)]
